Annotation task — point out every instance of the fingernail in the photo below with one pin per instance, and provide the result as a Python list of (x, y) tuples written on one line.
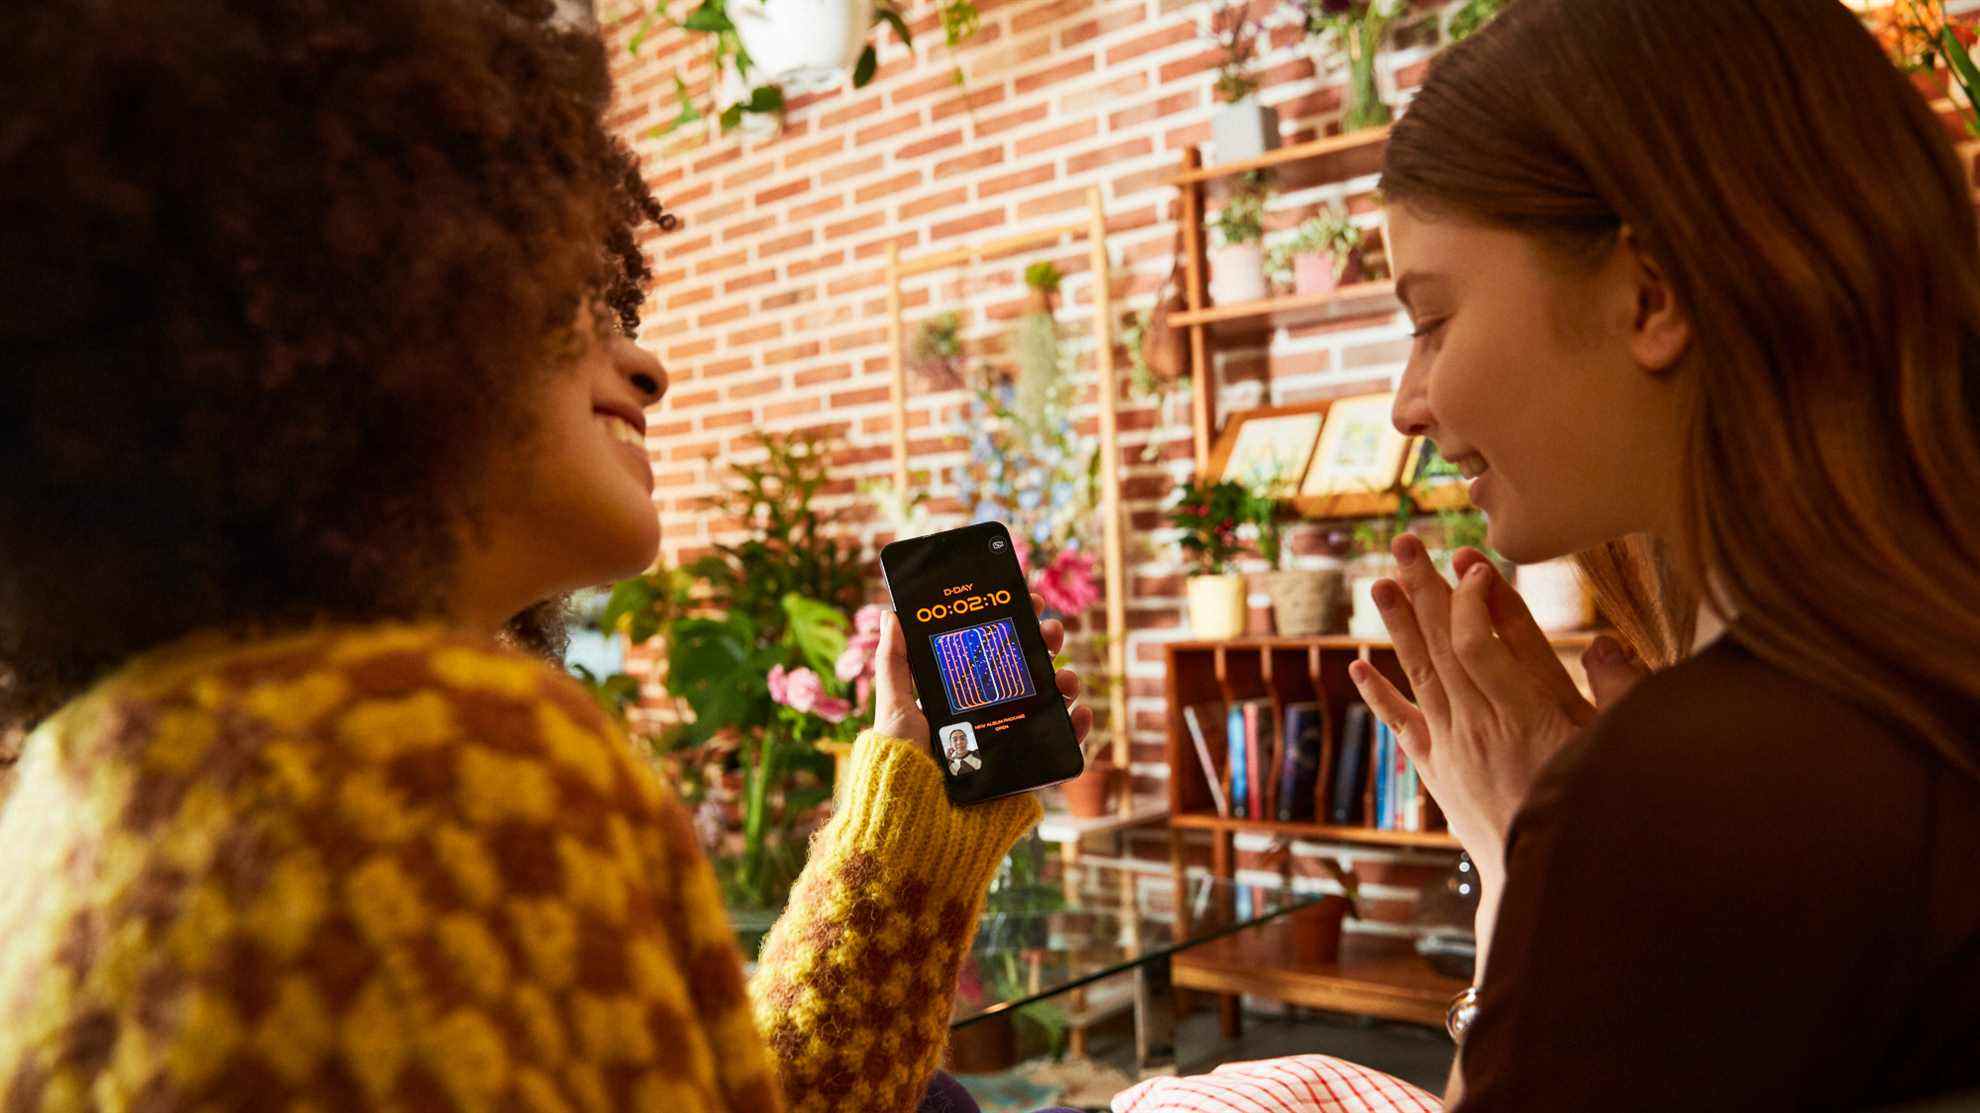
[(1385, 594), (1406, 550), (1476, 574)]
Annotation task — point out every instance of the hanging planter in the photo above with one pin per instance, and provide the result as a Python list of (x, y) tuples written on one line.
[(802, 45)]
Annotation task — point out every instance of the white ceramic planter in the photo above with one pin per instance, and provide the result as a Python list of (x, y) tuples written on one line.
[(1237, 273), (1243, 129), (1554, 592), (804, 45), (1216, 605)]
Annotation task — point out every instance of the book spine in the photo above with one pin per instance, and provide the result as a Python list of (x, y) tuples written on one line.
[(1381, 762), (1256, 775), (1234, 737)]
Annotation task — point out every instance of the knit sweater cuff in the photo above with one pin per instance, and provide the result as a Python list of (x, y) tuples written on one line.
[(895, 806)]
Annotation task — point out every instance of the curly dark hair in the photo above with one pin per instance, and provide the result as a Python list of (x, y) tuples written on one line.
[(278, 279)]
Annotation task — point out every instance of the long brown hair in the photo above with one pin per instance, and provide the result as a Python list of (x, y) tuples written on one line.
[(1814, 222)]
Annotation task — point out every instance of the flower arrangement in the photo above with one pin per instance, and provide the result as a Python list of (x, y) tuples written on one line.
[(1236, 32), (1209, 514), (1918, 35)]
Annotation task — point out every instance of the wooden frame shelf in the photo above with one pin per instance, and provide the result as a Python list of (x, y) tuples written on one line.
[(1323, 832), (1256, 318), (1329, 158), (1372, 975)]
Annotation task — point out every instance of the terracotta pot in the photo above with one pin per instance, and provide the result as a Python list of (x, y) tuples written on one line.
[(1316, 930), (1216, 605), (1088, 794), (1320, 273), (1258, 605)]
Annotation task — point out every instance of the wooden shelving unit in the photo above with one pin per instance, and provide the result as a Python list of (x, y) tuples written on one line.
[(1372, 975)]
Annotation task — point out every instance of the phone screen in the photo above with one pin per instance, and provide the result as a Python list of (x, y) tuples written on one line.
[(997, 722)]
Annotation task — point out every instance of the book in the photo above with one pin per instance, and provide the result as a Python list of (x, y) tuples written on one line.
[(1300, 767), (1240, 782), (1272, 744), (1350, 767), (1384, 774), (1257, 773), (1206, 731)]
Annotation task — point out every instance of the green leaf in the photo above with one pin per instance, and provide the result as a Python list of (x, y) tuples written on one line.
[(628, 598), (898, 22), (731, 116), (869, 61), (1961, 63), (766, 98), (817, 630), (709, 17), (639, 34)]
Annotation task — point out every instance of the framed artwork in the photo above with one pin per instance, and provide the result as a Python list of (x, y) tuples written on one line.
[(1360, 452), (1275, 441)]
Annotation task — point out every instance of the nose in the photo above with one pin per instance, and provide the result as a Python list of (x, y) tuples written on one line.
[(642, 369), (1411, 411)]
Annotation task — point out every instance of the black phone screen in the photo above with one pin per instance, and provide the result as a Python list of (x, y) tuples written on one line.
[(996, 720)]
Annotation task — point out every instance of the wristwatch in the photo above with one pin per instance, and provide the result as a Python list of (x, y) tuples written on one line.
[(1463, 1010)]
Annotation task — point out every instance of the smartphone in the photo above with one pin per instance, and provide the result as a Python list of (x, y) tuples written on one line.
[(998, 724)]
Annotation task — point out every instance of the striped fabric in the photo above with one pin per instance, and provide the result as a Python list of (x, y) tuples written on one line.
[(1295, 1084)]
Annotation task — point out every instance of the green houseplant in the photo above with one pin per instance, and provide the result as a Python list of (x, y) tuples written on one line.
[(1208, 516), (1322, 252), (1304, 600), (1353, 29), (1237, 262)]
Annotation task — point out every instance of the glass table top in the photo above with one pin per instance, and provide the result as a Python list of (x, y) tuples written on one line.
[(1050, 926)]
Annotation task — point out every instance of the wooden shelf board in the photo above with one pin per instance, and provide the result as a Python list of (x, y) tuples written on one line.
[(1564, 638), (1437, 840), (1258, 317), (1372, 976), (1298, 152), (1060, 826)]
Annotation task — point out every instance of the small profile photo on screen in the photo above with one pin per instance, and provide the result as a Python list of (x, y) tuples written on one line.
[(959, 746)]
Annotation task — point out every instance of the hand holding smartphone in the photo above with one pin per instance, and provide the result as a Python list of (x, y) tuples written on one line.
[(984, 678)]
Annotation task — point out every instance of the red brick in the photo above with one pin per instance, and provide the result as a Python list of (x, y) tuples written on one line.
[(778, 193), (1097, 97), (784, 299), (790, 409), (1063, 71), (929, 145), (803, 155), (977, 160), (991, 125), (1051, 203), (680, 401), (901, 94), (1153, 41), (721, 263), (839, 172), (782, 244), (1046, 14), (732, 365), (1133, 148), (690, 297), (810, 266), (966, 225), (854, 226), (948, 198), (722, 316), (721, 157), (820, 207), (1200, 62), (886, 186), (755, 334), (906, 121), (991, 187), (749, 281), (1154, 110), (863, 397), (816, 375), (903, 240), (1057, 137), (980, 97), (865, 105), (747, 227)]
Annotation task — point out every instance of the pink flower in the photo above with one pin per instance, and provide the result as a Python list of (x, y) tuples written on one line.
[(857, 660), (870, 619), (1067, 585), (804, 692), (1023, 550)]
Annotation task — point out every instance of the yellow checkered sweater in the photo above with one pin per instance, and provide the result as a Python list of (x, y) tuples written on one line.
[(394, 868)]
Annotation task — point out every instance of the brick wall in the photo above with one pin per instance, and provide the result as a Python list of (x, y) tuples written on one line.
[(770, 308)]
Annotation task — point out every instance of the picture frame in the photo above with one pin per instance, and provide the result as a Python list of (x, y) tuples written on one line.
[(1256, 442), (1360, 451)]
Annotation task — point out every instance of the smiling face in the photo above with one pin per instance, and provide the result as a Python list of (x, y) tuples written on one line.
[(1552, 383), (572, 504)]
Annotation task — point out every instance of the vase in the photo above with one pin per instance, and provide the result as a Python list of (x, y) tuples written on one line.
[(1362, 104), (804, 45), (1556, 595), (1365, 619), (1237, 273), (1216, 606), (1307, 601), (1088, 794), (1243, 129)]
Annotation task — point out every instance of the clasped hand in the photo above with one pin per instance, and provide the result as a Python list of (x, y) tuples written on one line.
[(1492, 701)]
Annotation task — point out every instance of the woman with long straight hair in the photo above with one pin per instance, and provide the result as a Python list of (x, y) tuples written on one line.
[(1696, 299)]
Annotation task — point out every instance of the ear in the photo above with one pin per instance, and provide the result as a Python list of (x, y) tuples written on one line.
[(1660, 328)]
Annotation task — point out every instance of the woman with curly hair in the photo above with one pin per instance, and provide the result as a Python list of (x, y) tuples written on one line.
[(316, 322)]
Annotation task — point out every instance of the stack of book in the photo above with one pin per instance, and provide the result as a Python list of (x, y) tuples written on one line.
[(1259, 765)]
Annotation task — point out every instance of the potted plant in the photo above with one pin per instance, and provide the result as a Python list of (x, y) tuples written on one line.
[(1088, 794), (1374, 560), (936, 352), (1240, 128), (1208, 514), (1461, 21), (1321, 254), (1353, 29), (1237, 263), (1305, 601)]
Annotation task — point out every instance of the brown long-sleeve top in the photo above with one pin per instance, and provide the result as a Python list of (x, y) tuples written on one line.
[(1740, 893)]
